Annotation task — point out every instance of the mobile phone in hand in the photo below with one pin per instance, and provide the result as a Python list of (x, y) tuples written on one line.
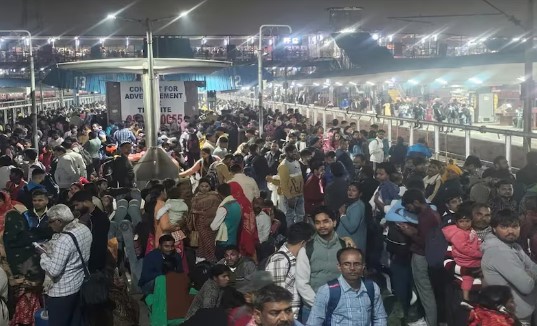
[(39, 247)]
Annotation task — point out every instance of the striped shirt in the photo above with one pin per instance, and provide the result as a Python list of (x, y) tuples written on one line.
[(124, 135)]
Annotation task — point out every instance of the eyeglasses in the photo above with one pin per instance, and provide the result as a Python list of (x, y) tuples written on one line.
[(352, 265)]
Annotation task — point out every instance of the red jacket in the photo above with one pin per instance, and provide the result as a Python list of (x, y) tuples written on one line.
[(466, 246), (485, 317)]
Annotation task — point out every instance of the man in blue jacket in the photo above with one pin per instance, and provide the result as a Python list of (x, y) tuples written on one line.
[(419, 149), (158, 262)]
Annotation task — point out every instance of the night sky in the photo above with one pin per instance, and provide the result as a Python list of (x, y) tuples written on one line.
[(243, 17)]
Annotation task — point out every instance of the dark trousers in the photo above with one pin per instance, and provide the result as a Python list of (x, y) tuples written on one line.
[(64, 311), (402, 283)]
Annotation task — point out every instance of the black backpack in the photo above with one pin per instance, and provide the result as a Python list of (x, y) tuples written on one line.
[(200, 274), (436, 247), (397, 243)]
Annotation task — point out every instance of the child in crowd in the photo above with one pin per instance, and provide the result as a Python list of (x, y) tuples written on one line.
[(177, 210), (466, 251)]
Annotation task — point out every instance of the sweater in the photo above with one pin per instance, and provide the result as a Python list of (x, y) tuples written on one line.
[(291, 180), (507, 264), (317, 271), (313, 194)]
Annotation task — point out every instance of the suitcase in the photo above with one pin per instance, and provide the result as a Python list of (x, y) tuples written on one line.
[(41, 317)]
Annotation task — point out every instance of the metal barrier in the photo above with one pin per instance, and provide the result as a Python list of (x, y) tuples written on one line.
[(12, 109), (316, 114)]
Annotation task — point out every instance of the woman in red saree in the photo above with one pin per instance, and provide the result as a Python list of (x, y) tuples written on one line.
[(248, 238)]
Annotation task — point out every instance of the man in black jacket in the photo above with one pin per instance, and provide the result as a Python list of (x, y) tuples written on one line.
[(98, 223)]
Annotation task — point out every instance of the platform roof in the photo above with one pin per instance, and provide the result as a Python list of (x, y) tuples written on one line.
[(162, 66)]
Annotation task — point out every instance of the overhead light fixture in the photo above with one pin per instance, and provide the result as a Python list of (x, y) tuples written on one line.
[(390, 38), (299, 85), (370, 83), (435, 37), (375, 36), (338, 84), (348, 30), (476, 80), (111, 16), (352, 83), (521, 79), (441, 81), (316, 84), (183, 14), (413, 82)]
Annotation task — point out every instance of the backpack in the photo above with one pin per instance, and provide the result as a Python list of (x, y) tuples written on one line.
[(249, 169), (436, 247), (397, 243), (85, 156), (334, 289), (212, 175), (309, 247), (200, 274), (263, 264)]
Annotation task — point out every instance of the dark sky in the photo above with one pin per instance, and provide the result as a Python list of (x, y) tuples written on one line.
[(242, 17)]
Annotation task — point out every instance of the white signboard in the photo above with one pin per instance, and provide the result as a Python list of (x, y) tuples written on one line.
[(172, 100)]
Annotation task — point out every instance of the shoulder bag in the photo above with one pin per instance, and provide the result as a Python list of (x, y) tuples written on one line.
[(94, 289)]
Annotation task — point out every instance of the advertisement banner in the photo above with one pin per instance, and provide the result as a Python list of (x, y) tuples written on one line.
[(172, 100)]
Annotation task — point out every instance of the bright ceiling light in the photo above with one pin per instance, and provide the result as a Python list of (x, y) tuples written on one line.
[(375, 36), (315, 84), (352, 83), (476, 80), (338, 84), (413, 82), (521, 79), (348, 30), (370, 83), (111, 16), (441, 81), (183, 14)]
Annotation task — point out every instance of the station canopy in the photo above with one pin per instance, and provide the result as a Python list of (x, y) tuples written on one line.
[(162, 66)]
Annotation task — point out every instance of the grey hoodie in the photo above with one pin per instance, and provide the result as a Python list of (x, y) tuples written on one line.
[(508, 264)]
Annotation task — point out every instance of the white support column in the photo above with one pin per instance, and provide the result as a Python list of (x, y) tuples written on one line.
[(324, 121), (437, 142), (389, 131), (508, 148), (467, 143), (411, 135)]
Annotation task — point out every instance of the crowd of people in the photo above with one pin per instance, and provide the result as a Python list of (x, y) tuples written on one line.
[(296, 226)]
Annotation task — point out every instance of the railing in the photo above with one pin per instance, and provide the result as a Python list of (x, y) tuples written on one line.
[(10, 110), (389, 123)]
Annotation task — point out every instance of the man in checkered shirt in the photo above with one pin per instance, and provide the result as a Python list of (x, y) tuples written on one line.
[(282, 265), (61, 262)]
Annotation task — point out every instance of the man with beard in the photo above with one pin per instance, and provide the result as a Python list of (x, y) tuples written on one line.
[(500, 170), (414, 201), (99, 224), (239, 265), (503, 199), (504, 262), (354, 296), (158, 262), (272, 307), (316, 263)]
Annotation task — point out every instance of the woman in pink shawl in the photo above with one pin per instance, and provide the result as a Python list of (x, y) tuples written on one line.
[(248, 238)]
